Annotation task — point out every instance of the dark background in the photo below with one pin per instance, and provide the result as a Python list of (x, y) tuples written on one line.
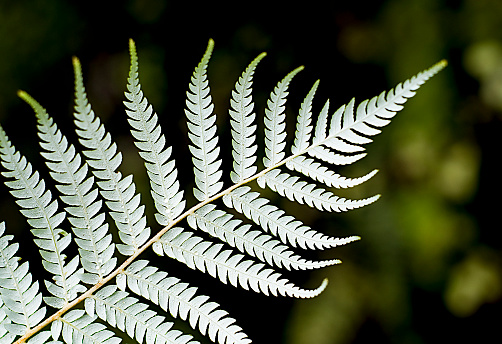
[(428, 267)]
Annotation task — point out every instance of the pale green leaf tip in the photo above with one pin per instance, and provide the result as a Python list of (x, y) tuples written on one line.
[(209, 49), (438, 66), (323, 286), (443, 63), (22, 94), (28, 99), (75, 61), (39, 110), (77, 69), (132, 47)]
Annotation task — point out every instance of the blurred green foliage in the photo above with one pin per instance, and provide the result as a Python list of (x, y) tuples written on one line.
[(428, 268)]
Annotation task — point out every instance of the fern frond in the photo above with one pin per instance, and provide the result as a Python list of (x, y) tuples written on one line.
[(21, 299), (243, 129), (275, 126), (77, 327), (202, 132), (287, 228), (208, 257), (220, 224), (120, 310), (338, 139), (181, 301), (102, 156), (95, 242), (161, 171), (40, 210)]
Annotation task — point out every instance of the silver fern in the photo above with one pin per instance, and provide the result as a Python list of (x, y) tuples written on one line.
[(251, 248)]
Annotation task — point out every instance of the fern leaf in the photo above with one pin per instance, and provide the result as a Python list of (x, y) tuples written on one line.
[(202, 132), (262, 246), (162, 173), (40, 210), (355, 128), (21, 299), (95, 243), (181, 301), (303, 126), (227, 266), (77, 327), (305, 193), (287, 228), (333, 158), (243, 129), (120, 310), (311, 168), (102, 156), (321, 124), (275, 126), (338, 139)]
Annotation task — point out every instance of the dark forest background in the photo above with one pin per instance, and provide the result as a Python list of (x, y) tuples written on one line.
[(429, 266)]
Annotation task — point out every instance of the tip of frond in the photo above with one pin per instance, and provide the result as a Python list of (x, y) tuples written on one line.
[(374, 198), (438, 67), (209, 49), (27, 98), (322, 287), (31, 102), (22, 94), (315, 292), (299, 69), (443, 63), (132, 47), (75, 61), (357, 181), (205, 58), (77, 69)]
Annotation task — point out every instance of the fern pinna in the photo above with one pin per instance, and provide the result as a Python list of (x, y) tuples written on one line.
[(252, 250)]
